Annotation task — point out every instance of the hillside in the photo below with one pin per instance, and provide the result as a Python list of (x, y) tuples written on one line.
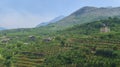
[(80, 46), (51, 21), (86, 14)]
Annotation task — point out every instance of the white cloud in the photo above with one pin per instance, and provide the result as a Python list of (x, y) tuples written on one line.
[(20, 19)]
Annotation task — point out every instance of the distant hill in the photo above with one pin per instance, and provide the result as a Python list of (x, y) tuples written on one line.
[(1, 28), (51, 21), (86, 14)]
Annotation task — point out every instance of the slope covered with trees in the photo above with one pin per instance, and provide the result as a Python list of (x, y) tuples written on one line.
[(80, 46)]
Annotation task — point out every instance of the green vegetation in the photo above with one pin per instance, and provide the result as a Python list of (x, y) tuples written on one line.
[(79, 46)]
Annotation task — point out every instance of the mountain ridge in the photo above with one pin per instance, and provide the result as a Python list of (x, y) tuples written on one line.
[(2, 28), (85, 15), (51, 21)]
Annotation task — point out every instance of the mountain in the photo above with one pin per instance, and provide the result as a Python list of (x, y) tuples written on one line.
[(51, 21), (83, 45), (42, 24), (1, 28), (85, 15)]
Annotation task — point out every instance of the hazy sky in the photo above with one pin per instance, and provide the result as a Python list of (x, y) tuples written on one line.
[(29, 13)]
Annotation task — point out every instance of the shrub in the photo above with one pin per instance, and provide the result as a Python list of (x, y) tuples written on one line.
[(106, 53)]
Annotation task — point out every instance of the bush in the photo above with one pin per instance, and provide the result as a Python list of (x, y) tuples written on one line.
[(106, 53)]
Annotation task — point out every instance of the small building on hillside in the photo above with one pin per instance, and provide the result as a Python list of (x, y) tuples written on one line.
[(5, 40), (104, 29), (31, 37), (47, 39)]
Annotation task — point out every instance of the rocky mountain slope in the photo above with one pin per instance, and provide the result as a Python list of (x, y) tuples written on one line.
[(86, 14)]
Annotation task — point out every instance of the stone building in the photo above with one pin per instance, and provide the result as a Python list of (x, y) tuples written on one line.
[(104, 29)]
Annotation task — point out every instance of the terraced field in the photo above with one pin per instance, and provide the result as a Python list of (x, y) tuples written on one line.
[(79, 46)]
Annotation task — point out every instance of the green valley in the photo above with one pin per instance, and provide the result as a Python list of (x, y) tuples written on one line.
[(82, 45)]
